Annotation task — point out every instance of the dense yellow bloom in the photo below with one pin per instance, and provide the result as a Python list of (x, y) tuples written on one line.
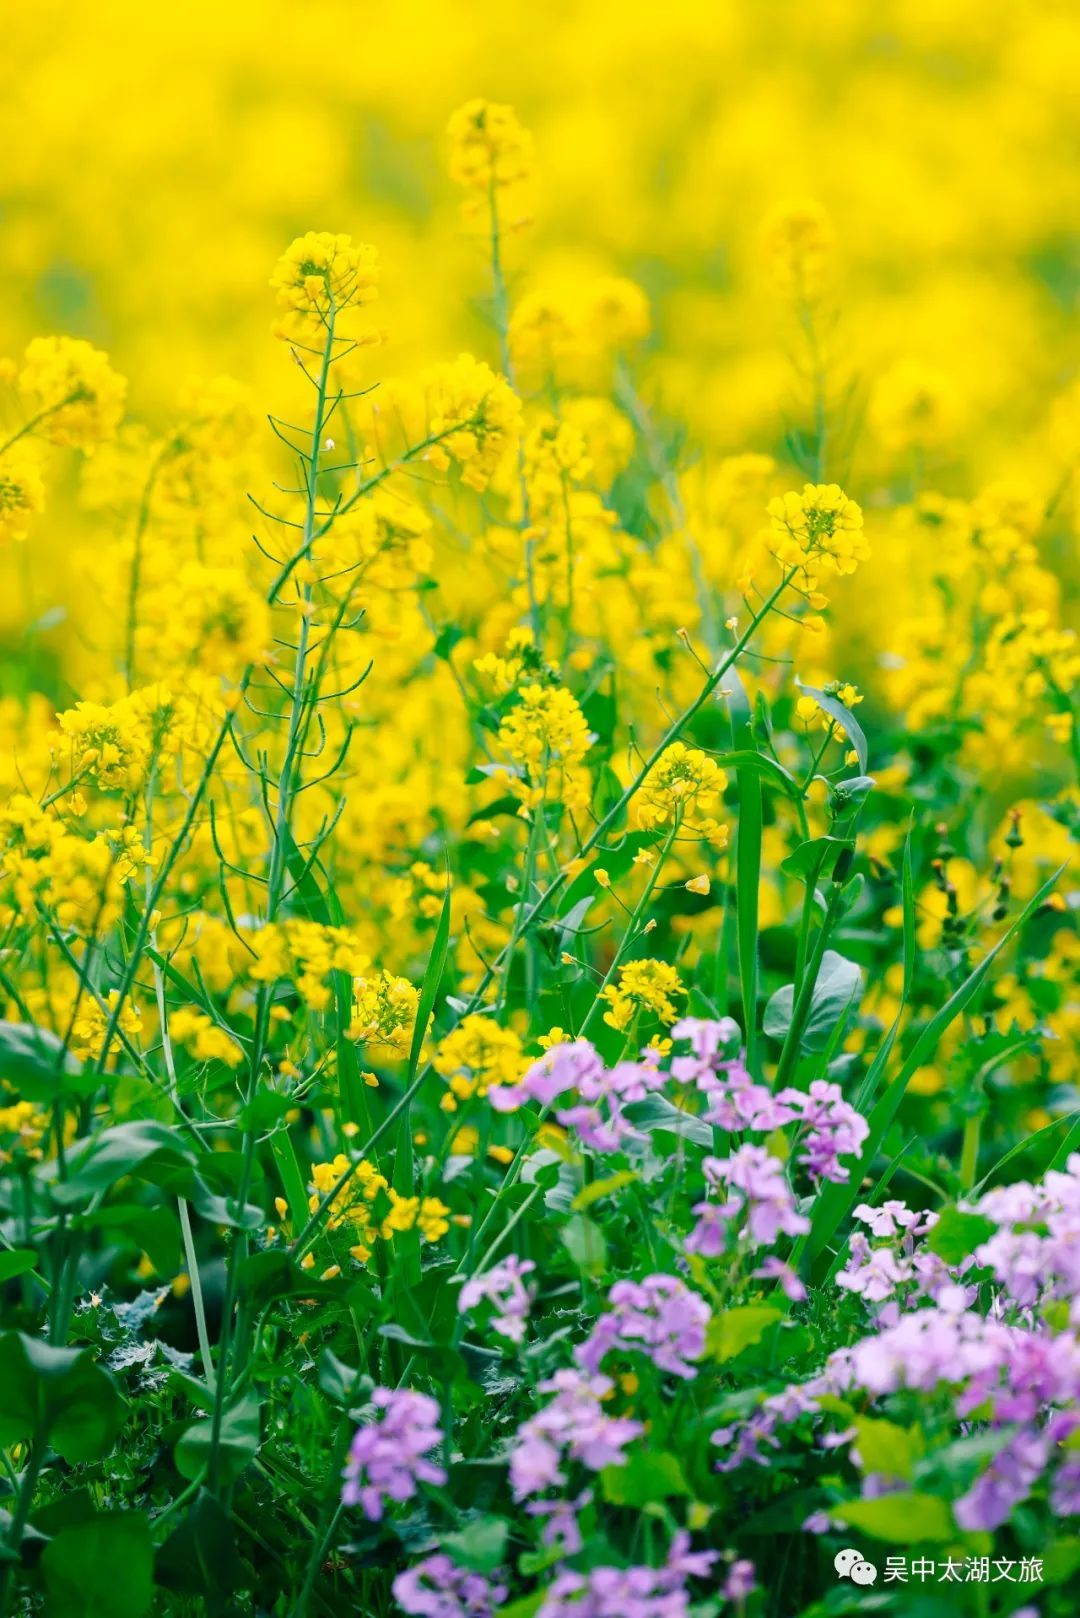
[(821, 527), (206, 1040), (489, 150), (73, 389), (384, 1010), (208, 616), (108, 746), (571, 334), (476, 1055), (685, 786), (649, 986), (546, 735), (368, 1207), (307, 953), (319, 276), (22, 1127), (474, 419), (93, 1021), (22, 491)]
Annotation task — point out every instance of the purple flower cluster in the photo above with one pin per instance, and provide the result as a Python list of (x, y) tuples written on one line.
[(503, 1287), (660, 1317), (631, 1592), (1035, 1255), (1012, 1375), (387, 1458), (829, 1128), (438, 1588), (759, 1189), (572, 1426), (598, 1118), (879, 1274)]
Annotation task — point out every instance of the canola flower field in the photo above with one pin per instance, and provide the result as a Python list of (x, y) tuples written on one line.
[(538, 810)]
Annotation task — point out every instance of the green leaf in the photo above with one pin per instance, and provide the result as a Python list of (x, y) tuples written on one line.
[(239, 1442), (200, 1555), (813, 860), (101, 1568), (292, 1178), (886, 1448), (132, 1148), (657, 1113), (598, 1189), (736, 1329), (957, 1234), (645, 1477), (36, 1063), (480, 1545), (899, 1519), (16, 1261), (585, 1243), (838, 987), (843, 716), (154, 1231), (61, 1394)]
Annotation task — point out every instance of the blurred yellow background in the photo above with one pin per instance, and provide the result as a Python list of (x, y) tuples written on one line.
[(157, 158)]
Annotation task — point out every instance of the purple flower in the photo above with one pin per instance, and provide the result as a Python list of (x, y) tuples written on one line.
[(562, 1530), (438, 1588), (630, 1592), (1007, 1480), (740, 1582), (660, 1316), (572, 1426), (598, 1116), (561, 1068), (768, 1199), (503, 1287), (709, 1236), (387, 1458), (775, 1269), (833, 1129)]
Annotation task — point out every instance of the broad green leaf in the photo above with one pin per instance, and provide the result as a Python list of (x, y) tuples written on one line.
[(130, 1148), (480, 1545), (101, 1568), (645, 1477), (16, 1261), (200, 1555), (238, 1446), (585, 1243), (61, 1394), (886, 1448), (736, 1329), (36, 1063), (957, 1234), (657, 1113), (899, 1519), (843, 716), (155, 1231), (815, 859), (837, 990)]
